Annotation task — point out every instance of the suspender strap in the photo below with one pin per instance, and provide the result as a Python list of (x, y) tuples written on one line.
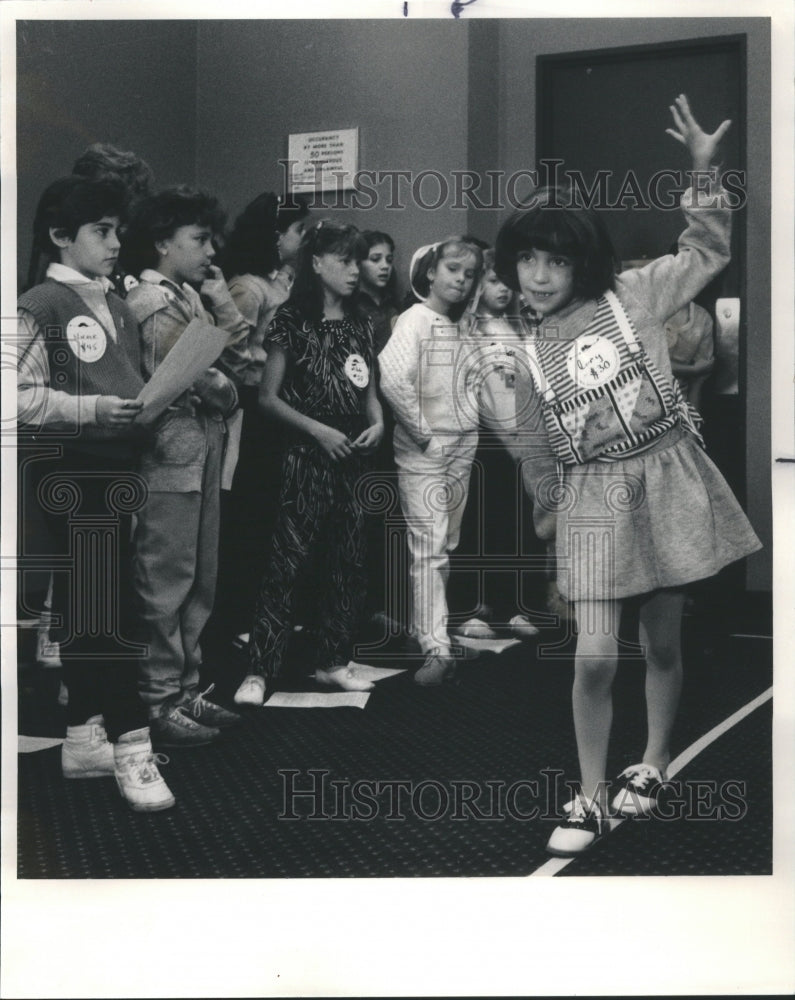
[(537, 372), (623, 322)]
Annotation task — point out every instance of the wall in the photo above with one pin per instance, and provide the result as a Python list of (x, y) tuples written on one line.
[(130, 83), (402, 83), (521, 40), (213, 103)]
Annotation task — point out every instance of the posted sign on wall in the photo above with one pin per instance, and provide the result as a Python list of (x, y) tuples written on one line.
[(323, 161)]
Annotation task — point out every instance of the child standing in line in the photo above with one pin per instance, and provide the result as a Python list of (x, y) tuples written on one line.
[(427, 369), (318, 383), (634, 472), (386, 598), (79, 376), (258, 260), (500, 346), (378, 285), (99, 161), (176, 540)]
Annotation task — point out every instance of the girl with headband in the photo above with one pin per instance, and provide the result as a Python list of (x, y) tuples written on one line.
[(426, 376)]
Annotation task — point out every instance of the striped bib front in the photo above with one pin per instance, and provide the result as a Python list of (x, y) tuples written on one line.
[(602, 396)]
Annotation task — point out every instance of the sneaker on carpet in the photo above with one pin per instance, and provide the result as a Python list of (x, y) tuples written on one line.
[(344, 677), (208, 713), (251, 691), (436, 669), (583, 826), (86, 753), (174, 728), (475, 628), (522, 627), (137, 775), (640, 785)]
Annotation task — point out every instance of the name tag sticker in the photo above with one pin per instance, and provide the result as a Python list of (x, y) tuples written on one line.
[(86, 338), (592, 361), (357, 371)]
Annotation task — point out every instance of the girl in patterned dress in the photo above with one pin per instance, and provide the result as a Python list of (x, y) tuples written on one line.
[(318, 384)]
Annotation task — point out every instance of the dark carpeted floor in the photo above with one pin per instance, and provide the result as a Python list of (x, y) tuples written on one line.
[(439, 782)]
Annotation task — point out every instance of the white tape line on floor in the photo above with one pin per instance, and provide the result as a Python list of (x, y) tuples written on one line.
[(555, 865)]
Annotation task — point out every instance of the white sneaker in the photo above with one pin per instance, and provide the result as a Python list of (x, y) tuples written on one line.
[(251, 691), (137, 776), (345, 677), (522, 627), (582, 827), (476, 628), (640, 786), (86, 753)]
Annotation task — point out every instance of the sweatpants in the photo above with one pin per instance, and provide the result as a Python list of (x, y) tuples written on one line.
[(433, 495)]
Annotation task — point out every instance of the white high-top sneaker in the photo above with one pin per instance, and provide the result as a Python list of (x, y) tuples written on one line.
[(85, 752), (137, 776)]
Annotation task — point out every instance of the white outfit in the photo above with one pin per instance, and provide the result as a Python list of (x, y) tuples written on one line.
[(429, 376)]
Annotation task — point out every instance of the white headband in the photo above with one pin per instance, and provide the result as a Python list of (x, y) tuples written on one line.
[(418, 255)]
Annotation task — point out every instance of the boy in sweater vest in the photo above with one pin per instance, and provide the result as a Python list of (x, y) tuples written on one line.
[(79, 374)]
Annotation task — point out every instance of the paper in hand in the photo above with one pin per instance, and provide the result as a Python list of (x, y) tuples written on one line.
[(199, 346)]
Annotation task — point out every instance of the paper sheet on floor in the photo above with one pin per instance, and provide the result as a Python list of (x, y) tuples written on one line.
[(30, 744), (333, 699), (487, 645), (317, 699)]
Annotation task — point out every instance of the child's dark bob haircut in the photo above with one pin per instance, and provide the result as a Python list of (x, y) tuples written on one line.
[(72, 202), (559, 224), (252, 247), (160, 216), (326, 237)]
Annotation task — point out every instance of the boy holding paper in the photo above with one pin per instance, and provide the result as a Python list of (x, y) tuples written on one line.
[(78, 379), (176, 540)]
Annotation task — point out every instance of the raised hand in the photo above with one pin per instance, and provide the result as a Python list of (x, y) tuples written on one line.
[(702, 146)]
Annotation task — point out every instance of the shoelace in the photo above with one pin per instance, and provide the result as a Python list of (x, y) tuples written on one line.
[(147, 764), (197, 705), (639, 775), (578, 815), (98, 732)]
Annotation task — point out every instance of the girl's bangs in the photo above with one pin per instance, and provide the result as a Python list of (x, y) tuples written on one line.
[(552, 232), (350, 244)]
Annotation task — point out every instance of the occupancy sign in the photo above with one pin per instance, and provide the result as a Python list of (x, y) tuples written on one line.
[(323, 161)]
